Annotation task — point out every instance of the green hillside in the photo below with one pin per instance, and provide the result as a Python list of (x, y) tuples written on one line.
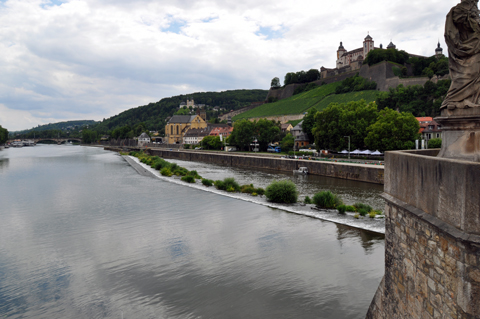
[(368, 96), (67, 125), (293, 105), (319, 98), (153, 116)]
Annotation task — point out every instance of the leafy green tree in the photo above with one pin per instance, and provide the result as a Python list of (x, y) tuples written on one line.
[(392, 55), (183, 111), (275, 83), (340, 120), (355, 83), (123, 132), (393, 131), (211, 143), (312, 75), (89, 136), (242, 134), (309, 123), (287, 143), (3, 135), (418, 100), (435, 143), (266, 132)]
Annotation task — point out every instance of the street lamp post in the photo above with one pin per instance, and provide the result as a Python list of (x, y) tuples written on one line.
[(348, 146)]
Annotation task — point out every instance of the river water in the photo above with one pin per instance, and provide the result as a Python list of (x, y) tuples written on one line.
[(83, 235)]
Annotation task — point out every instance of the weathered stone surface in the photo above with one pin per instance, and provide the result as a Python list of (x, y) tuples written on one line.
[(432, 247), (443, 188)]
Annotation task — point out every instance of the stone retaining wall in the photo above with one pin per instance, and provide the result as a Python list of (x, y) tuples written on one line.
[(357, 172)]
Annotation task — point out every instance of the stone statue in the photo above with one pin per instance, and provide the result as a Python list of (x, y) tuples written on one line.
[(462, 35)]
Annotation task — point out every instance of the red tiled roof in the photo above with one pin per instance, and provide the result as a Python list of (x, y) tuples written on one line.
[(424, 119)]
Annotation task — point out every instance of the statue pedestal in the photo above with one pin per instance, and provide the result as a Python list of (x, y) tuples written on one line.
[(461, 134)]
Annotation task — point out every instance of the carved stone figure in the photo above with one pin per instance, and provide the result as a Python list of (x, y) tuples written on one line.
[(462, 35)]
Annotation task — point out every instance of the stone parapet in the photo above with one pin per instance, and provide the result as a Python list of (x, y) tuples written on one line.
[(432, 238), (444, 188)]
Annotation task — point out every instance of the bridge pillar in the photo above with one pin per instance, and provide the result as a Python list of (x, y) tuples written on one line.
[(432, 238)]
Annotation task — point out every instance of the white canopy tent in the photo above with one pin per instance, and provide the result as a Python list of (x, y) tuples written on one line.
[(366, 152)]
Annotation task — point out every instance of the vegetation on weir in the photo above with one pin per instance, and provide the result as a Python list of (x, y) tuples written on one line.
[(169, 169), (284, 191)]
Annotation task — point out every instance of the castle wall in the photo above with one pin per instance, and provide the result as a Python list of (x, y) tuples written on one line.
[(235, 113), (284, 92), (280, 118)]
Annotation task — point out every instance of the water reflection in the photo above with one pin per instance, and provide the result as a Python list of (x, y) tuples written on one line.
[(368, 239), (4, 163), (94, 239)]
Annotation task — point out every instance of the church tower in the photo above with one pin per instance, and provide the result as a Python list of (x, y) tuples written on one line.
[(367, 45)]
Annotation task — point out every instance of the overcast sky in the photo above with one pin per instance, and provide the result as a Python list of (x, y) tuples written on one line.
[(92, 59)]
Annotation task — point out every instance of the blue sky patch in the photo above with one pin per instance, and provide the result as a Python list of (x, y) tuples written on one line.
[(175, 26), (269, 33), (51, 3)]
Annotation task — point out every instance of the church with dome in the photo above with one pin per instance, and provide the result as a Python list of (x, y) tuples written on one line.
[(348, 61)]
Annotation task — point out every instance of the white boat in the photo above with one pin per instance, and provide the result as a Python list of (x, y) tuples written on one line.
[(301, 170)]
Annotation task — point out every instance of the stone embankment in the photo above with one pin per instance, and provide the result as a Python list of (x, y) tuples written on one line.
[(357, 172)]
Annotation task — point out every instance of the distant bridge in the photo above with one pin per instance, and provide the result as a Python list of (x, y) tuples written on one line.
[(57, 140)]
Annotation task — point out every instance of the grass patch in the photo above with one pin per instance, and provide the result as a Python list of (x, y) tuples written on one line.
[(188, 179), (260, 191), (207, 182), (327, 200), (363, 212), (228, 184), (166, 172), (307, 200), (247, 189), (359, 206), (342, 209)]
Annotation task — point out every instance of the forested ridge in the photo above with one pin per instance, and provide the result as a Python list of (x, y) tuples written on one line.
[(153, 115)]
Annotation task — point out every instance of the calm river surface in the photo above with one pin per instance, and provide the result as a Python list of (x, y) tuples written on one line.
[(83, 235)]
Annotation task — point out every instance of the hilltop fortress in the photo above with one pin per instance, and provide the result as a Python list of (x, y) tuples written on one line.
[(348, 61)]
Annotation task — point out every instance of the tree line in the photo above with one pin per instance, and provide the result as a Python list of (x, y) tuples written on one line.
[(365, 125), (3, 135), (154, 116), (416, 99)]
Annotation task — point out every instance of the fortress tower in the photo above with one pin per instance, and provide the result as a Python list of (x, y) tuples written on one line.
[(367, 45), (340, 52), (438, 50)]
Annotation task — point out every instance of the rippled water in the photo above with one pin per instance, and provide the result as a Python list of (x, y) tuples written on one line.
[(83, 235)]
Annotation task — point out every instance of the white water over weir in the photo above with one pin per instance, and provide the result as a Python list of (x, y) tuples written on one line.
[(366, 223)]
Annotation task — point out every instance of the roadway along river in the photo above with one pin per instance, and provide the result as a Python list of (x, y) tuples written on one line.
[(83, 235)]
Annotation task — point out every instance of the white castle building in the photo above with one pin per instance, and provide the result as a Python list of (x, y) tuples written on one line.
[(353, 60)]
